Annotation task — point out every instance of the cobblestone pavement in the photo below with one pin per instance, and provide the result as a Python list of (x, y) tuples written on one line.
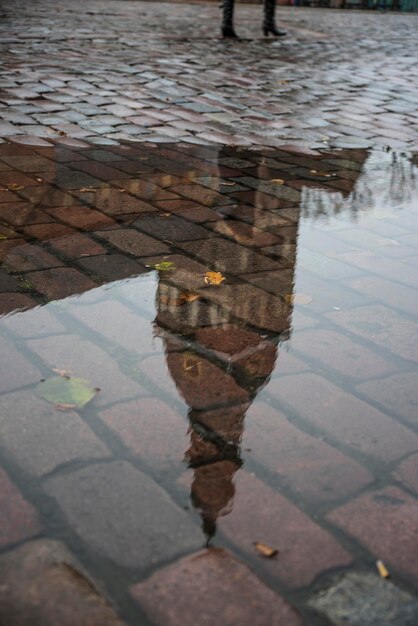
[(149, 71), (278, 406)]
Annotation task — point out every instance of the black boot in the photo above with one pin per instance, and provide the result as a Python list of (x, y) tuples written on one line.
[(269, 25), (227, 20)]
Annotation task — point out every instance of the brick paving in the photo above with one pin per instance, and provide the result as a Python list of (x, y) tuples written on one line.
[(277, 407)]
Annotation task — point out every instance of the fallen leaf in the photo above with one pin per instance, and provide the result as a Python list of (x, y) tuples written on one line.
[(277, 181), (228, 184), (265, 550), (164, 266), (381, 568), (167, 301), (65, 392), (213, 278), (2, 237), (14, 187), (189, 296), (86, 190), (40, 180)]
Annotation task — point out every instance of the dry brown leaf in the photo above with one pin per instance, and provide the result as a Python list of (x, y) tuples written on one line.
[(86, 190), (164, 299), (14, 187), (228, 184), (381, 568), (265, 550), (189, 296), (277, 181), (213, 278)]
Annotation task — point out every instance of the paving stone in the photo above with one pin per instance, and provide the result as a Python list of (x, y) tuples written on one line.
[(15, 371), (130, 241), (209, 584), (77, 245), (379, 520), (314, 470), (226, 256), (19, 520), (151, 430), (60, 282), (380, 325), (344, 417), (363, 599), (114, 202), (60, 591), (407, 472), (8, 282), (27, 257), (80, 217), (111, 267), (261, 514), (173, 229), (396, 393), (337, 353), (36, 322), (124, 515), (39, 437), (13, 302), (81, 357)]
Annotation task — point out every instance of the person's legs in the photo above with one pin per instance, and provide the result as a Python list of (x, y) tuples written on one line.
[(269, 24), (228, 19)]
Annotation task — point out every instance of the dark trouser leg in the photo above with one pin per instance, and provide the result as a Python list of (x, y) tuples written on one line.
[(269, 24), (228, 19)]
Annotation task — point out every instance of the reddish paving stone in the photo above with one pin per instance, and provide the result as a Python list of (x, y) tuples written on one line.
[(82, 358), (307, 465), (77, 245), (407, 472), (60, 283), (18, 519), (42, 584), (46, 231), (81, 217), (23, 214), (262, 514), (111, 267), (211, 586), (396, 394), (39, 437), (344, 417), (200, 194), (27, 257), (151, 429), (337, 353), (15, 370), (189, 210), (11, 302), (386, 523), (130, 241), (201, 383), (123, 514), (115, 202)]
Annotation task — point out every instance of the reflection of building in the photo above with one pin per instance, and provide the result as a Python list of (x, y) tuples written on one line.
[(221, 349)]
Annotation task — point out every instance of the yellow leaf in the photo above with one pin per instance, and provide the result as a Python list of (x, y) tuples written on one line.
[(213, 278), (277, 181), (86, 190), (14, 187), (381, 568), (265, 550)]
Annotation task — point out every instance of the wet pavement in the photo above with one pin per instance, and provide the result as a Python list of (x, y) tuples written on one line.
[(208, 318), (208, 346)]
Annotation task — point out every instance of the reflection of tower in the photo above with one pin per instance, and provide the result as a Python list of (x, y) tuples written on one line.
[(221, 347)]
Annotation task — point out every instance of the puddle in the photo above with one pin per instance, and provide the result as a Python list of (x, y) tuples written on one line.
[(274, 396)]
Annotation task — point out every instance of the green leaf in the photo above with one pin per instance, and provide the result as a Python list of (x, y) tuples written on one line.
[(65, 392), (164, 266)]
